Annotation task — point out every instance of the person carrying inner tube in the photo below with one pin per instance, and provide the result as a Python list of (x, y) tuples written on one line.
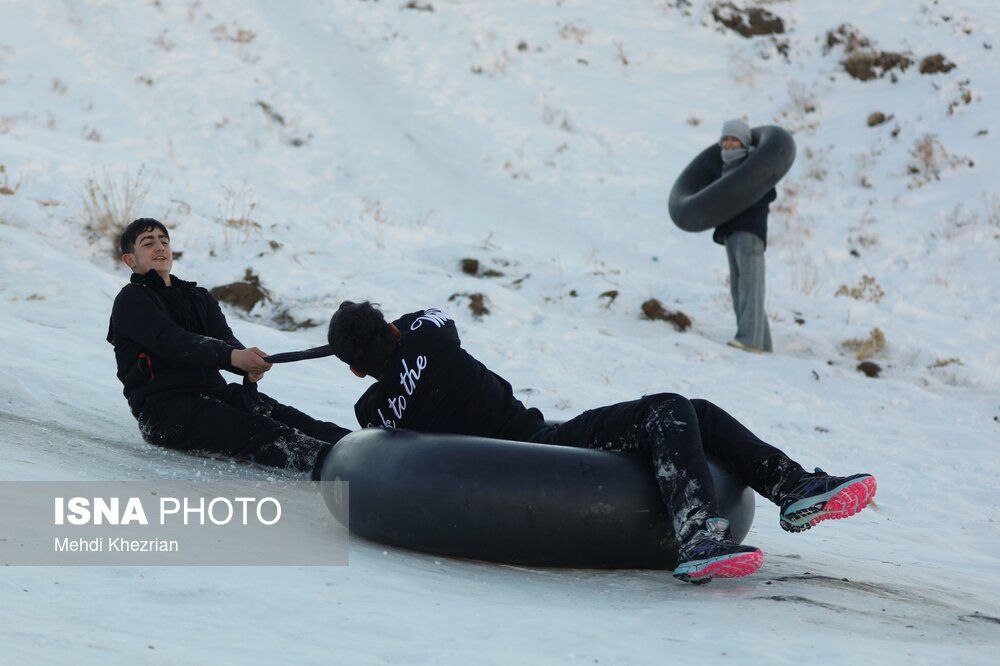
[(745, 238), (426, 381)]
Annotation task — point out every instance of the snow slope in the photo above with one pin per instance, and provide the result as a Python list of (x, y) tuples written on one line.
[(362, 149)]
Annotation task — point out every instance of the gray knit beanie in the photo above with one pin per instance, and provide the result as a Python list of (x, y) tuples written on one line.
[(738, 129)]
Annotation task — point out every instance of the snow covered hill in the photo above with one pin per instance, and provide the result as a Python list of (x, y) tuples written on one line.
[(350, 149)]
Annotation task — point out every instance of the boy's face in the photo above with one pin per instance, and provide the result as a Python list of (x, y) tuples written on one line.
[(731, 143), (152, 251)]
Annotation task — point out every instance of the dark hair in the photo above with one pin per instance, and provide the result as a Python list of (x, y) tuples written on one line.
[(132, 231), (360, 337)]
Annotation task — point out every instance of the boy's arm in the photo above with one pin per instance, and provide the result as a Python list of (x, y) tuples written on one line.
[(219, 328), (136, 317), (363, 408)]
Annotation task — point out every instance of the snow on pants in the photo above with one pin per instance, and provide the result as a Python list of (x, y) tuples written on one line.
[(223, 422), (675, 433)]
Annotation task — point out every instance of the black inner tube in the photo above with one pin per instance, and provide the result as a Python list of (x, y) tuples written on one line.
[(701, 200), (511, 502)]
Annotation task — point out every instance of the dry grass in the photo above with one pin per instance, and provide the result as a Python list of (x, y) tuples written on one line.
[(5, 187), (866, 348), (236, 212), (236, 215), (868, 289), (802, 99), (964, 97), (109, 204), (930, 158), (221, 33), (992, 204), (575, 33)]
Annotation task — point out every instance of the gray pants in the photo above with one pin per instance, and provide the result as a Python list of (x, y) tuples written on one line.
[(746, 280)]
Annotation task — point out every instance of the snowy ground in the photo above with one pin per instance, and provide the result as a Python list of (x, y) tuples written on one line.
[(377, 146)]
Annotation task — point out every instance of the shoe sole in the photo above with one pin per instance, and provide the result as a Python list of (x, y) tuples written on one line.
[(844, 503), (736, 565)]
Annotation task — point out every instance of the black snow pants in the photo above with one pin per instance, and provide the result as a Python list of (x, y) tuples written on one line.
[(674, 434), (230, 422)]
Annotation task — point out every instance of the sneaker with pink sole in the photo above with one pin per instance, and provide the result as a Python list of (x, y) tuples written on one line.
[(818, 496), (712, 553)]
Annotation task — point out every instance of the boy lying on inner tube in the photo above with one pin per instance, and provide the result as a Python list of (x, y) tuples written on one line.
[(427, 382)]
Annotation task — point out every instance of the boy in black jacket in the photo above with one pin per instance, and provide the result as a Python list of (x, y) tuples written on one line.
[(171, 339), (427, 382), (745, 238)]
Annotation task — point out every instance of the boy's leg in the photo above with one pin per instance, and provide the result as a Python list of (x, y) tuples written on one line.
[(761, 466), (206, 423), (753, 329), (664, 428), (805, 498), (324, 430)]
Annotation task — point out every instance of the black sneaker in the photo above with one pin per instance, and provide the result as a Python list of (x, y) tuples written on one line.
[(818, 496), (711, 553)]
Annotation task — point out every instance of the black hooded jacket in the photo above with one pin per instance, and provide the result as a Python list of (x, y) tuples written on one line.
[(753, 219), (431, 384), (168, 338)]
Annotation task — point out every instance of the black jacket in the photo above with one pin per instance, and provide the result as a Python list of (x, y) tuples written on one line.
[(431, 384), (753, 219), (168, 338)]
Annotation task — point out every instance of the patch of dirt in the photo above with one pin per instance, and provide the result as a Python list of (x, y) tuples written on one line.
[(862, 60), (848, 36), (748, 22), (243, 294), (472, 267), (654, 310), (876, 118), (270, 112), (936, 64), (611, 295), (875, 64), (418, 6), (870, 368), (477, 302), (286, 322)]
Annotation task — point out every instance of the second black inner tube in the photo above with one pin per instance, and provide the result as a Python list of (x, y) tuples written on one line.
[(701, 200)]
